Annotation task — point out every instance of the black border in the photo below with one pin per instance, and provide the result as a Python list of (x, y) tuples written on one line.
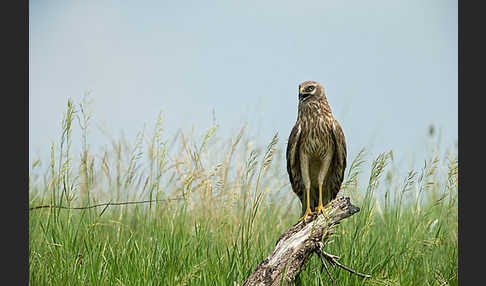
[(471, 124), (15, 115)]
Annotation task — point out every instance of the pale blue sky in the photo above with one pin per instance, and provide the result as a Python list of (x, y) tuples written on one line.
[(389, 67)]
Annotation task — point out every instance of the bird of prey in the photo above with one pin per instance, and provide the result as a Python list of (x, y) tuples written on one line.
[(316, 151)]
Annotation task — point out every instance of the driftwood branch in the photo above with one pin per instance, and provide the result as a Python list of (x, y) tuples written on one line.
[(297, 244)]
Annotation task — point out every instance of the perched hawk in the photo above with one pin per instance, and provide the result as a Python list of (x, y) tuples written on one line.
[(316, 151)]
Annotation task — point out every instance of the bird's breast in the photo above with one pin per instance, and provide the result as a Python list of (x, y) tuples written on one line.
[(316, 136)]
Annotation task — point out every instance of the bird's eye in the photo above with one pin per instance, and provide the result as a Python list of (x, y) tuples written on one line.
[(310, 88)]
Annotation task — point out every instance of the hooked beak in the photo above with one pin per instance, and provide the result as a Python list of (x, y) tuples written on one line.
[(302, 96)]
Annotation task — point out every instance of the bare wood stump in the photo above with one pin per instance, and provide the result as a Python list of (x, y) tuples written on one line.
[(298, 243)]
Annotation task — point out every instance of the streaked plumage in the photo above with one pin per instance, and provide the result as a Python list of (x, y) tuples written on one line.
[(316, 150)]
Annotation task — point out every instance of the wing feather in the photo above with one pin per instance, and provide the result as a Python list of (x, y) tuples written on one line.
[(338, 164), (293, 161)]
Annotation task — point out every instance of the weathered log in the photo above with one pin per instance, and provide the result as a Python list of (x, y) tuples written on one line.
[(297, 244)]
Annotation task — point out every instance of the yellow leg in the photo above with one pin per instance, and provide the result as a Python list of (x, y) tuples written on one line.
[(308, 211), (320, 208)]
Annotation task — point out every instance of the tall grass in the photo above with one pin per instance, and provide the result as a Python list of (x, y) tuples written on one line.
[(220, 207)]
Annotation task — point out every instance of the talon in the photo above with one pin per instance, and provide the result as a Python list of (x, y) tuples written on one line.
[(321, 210), (307, 213)]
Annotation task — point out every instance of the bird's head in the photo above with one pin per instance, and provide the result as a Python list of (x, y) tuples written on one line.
[(310, 90)]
